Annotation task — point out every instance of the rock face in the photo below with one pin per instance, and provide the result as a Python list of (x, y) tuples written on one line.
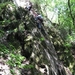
[(35, 44), (4, 68)]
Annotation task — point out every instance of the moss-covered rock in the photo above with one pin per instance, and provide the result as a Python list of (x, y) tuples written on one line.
[(36, 45)]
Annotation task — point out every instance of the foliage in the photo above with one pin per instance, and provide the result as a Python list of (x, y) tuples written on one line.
[(8, 26), (42, 39), (66, 27), (3, 50), (13, 24), (30, 66), (15, 60), (12, 71)]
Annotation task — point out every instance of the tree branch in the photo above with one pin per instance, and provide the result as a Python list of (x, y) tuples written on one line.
[(69, 5)]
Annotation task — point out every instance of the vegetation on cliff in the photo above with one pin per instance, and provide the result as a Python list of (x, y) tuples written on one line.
[(31, 50)]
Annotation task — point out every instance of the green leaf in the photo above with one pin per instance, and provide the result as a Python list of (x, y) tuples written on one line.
[(42, 39)]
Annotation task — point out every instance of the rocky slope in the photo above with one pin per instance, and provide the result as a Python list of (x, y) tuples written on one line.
[(20, 29)]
